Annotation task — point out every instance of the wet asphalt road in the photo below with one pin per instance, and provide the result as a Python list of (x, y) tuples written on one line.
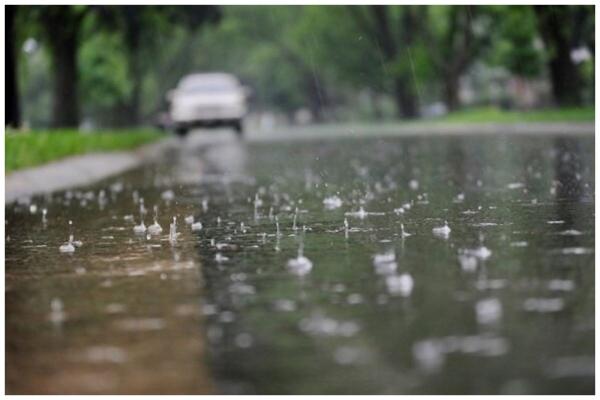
[(503, 303)]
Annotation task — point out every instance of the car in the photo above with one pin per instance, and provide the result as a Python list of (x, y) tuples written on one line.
[(207, 100)]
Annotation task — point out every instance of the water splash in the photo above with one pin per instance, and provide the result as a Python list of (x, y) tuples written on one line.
[(442, 231), (385, 264), (403, 233), (400, 285), (44, 219), (141, 228), (69, 247), (57, 314), (300, 265), (294, 227), (196, 226), (173, 231), (155, 228), (332, 202), (488, 311)]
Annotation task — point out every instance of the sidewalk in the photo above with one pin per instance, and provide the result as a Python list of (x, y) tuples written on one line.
[(88, 168), (78, 170)]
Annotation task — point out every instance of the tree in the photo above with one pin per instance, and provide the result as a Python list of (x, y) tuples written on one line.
[(60, 28), (455, 37), (11, 99), (267, 47), (562, 29), (514, 40), (140, 26), (377, 22)]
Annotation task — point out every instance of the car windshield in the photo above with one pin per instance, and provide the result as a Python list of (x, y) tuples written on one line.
[(210, 87)]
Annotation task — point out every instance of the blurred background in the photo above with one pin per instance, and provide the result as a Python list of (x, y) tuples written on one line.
[(93, 67)]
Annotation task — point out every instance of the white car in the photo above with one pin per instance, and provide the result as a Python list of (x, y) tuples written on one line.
[(207, 100)]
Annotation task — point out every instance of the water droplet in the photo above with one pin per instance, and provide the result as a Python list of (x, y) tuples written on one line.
[(442, 231), (332, 202), (488, 311), (401, 285)]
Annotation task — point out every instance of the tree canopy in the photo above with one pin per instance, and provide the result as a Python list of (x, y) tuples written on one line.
[(112, 65)]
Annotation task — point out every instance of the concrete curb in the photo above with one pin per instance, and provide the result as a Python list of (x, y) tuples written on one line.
[(427, 129), (78, 170)]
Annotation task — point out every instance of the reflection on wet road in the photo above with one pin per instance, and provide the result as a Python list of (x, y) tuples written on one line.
[(398, 265)]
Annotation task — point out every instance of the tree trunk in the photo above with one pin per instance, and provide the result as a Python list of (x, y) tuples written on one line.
[(375, 106), (132, 41), (566, 82), (409, 28), (11, 99), (564, 74), (451, 85), (315, 94), (406, 101), (65, 103), (62, 31)]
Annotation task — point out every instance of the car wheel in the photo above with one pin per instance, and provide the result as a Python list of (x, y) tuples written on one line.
[(239, 128), (181, 131)]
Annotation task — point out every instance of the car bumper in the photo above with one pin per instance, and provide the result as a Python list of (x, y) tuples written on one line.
[(207, 115), (206, 123)]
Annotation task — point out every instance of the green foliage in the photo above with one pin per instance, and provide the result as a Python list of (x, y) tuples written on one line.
[(38, 147), (103, 66), (496, 115), (516, 45), (291, 56)]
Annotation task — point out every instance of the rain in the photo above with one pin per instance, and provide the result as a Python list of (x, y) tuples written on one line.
[(300, 200)]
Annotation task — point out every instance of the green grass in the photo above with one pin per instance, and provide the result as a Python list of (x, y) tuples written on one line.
[(38, 147), (496, 115)]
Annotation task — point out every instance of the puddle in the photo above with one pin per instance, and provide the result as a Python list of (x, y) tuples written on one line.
[(406, 266)]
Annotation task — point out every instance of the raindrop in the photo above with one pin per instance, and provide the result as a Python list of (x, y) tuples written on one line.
[(403, 233), (570, 232), (332, 202), (173, 231), (488, 311), (155, 228), (295, 217), (346, 355), (467, 263), (300, 265), (244, 340), (385, 264), (69, 247), (561, 284), (168, 195), (220, 258), (57, 314), (442, 231), (285, 305), (141, 228), (257, 201), (400, 284), (196, 226), (543, 305), (515, 185)]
